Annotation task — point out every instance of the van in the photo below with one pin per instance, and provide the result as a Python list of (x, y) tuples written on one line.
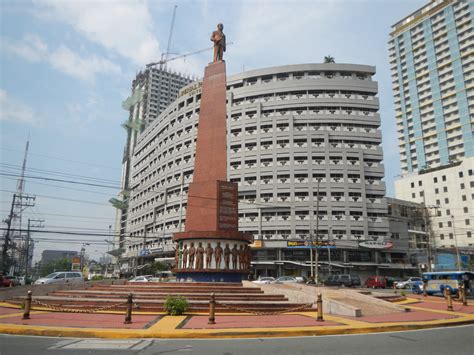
[(345, 280), (376, 282), (61, 277)]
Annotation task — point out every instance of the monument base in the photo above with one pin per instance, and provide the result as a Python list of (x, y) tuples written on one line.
[(206, 276)]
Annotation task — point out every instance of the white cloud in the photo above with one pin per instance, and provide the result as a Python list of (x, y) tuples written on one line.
[(85, 68), (123, 27), (12, 109)]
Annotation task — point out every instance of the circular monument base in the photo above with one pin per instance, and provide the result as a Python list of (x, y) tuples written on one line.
[(211, 276)]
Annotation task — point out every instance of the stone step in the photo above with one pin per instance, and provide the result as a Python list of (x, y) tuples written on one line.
[(203, 296), (176, 289)]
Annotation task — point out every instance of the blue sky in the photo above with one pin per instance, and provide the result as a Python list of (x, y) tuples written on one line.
[(66, 66)]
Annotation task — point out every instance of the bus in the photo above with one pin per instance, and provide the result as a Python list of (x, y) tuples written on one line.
[(438, 282)]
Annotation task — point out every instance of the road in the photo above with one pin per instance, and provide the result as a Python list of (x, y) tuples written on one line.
[(453, 340)]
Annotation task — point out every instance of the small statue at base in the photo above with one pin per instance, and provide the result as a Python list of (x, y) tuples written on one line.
[(192, 251), (200, 257), (235, 253), (209, 251), (227, 253), (184, 263), (218, 257), (218, 37)]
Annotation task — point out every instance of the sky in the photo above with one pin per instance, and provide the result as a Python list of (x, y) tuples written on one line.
[(67, 65)]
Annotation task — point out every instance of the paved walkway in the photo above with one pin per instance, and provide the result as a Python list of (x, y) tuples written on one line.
[(423, 312)]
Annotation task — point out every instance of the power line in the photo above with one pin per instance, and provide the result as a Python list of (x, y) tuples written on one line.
[(69, 215), (66, 199), (62, 180), (53, 172), (57, 158)]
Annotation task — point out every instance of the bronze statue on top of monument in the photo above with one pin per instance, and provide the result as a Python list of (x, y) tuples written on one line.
[(218, 37)]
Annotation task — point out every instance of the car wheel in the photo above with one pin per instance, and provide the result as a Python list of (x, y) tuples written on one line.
[(406, 287)]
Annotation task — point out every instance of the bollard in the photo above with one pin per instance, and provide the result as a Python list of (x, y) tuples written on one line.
[(395, 287), (212, 309), (425, 288), (128, 315), (319, 304), (462, 289), (26, 314), (449, 299)]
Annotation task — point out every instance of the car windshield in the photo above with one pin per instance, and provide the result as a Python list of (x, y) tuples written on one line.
[(50, 276)]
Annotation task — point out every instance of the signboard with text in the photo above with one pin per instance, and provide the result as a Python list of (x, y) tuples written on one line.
[(371, 244), (323, 244), (227, 206)]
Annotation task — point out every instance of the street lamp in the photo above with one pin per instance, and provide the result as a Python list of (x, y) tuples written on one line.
[(458, 257)]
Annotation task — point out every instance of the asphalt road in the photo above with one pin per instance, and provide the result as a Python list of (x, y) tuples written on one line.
[(453, 340)]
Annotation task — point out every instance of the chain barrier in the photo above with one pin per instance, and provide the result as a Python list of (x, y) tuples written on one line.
[(265, 313), (73, 310)]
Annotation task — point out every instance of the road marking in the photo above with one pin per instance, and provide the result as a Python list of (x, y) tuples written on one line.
[(101, 344)]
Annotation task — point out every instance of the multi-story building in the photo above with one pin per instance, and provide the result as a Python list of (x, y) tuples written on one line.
[(432, 61), (152, 91), (304, 148)]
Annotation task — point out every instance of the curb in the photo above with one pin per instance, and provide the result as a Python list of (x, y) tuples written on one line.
[(220, 333)]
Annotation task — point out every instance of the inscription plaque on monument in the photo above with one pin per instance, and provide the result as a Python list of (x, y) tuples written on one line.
[(227, 206)]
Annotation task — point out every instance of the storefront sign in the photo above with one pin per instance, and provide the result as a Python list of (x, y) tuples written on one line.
[(256, 244), (144, 252), (191, 90), (376, 245), (324, 244)]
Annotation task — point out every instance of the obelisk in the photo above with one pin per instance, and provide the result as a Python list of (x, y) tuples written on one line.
[(211, 230)]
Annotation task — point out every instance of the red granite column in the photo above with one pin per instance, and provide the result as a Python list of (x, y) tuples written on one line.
[(210, 163)]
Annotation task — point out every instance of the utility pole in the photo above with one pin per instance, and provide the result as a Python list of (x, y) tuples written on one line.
[(6, 241), (458, 256), (27, 249), (428, 233), (316, 256)]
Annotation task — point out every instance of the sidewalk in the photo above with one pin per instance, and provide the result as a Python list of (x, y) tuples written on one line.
[(423, 313)]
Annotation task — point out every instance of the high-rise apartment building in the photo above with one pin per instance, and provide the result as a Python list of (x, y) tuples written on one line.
[(432, 60), (152, 91), (304, 146)]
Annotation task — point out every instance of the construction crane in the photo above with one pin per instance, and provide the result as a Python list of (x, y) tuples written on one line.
[(164, 61), (164, 56)]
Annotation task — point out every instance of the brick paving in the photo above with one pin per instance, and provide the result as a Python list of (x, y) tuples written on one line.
[(81, 320), (283, 320), (5, 311), (413, 316)]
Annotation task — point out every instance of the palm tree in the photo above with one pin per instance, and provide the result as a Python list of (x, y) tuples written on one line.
[(329, 59)]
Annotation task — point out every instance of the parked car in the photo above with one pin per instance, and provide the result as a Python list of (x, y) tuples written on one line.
[(264, 280), (345, 280), (376, 282), (61, 277), (408, 283), (143, 278), (301, 279), (286, 280), (9, 281)]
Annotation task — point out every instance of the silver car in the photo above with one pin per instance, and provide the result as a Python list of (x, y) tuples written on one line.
[(61, 277), (286, 280)]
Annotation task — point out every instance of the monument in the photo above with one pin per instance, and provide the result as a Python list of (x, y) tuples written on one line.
[(212, 209)]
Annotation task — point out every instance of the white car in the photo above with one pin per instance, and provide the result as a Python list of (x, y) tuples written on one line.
[(264, 280), (286, 280), (145, 278), (408, 283), (61, 277)]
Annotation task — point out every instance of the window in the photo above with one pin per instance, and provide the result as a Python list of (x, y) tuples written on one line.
[(436, 191), (448, 212), (445, 189), (451, 236), (463, 186), (461, 174), (444, 177), (412, 185), (467, 222), (439, 213), (441, 236), (464, 198), (422, 193), (471, 183), (435, 180), (469, 234), (413, 195), (449, 224), (440, 224), (446, 200), (465, 209), (420, 183), (469, 172), (438, 202)]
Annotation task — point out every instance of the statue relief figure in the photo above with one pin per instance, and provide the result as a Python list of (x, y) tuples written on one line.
[(227, 253), (248, 257), (218, 37), (185, 256), (218, 257), (176, 257), (209, 252), (241, 257), (192, 251), (235, 253), (200, 257)]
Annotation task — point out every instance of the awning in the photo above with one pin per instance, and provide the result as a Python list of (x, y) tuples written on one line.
[(116, 252)]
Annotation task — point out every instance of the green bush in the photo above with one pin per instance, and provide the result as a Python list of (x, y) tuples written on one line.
[(97, 278), (403, 293), (175, 306)]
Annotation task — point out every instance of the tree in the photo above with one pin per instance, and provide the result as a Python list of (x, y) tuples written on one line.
[(154, 268), (56, 265), (329, 59)]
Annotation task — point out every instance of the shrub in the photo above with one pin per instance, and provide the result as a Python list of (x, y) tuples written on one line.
[(175, 306), (403, 293), (97, 278)]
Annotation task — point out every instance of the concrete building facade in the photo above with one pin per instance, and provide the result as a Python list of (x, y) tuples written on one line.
[(304, 148), (432, 62)]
